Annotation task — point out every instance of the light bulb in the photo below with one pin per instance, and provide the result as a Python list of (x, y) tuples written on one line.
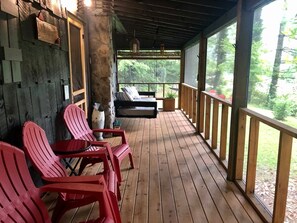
[(88, 3)]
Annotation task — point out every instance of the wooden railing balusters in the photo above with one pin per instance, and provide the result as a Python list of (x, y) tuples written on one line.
[(252, 155), (282, 179), (224, 131), (215, 119)]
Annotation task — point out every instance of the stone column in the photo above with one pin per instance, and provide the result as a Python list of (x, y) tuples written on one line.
[(99, 19)]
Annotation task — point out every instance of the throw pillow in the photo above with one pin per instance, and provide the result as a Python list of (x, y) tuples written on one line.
[(132, 91), (122, 96)]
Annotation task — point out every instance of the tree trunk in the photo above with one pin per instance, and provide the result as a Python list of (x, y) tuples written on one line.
[(221, 58), (256, 66), (276, 65)]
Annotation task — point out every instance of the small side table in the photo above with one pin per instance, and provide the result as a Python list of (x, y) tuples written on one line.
[(70, 146)]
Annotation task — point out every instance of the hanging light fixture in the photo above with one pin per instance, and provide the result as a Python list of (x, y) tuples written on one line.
[(134, 44), (88, 3)]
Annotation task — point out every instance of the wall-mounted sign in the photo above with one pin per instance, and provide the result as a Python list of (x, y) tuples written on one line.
[(66, 92), (47, 32)]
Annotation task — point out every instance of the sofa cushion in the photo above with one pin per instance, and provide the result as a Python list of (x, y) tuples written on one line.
[(122, 96), (136, 111), (131, 91)]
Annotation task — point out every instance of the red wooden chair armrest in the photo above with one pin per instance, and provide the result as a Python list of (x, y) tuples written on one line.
[(78, 188), (117, 131), (101, 153), (73, 179), (99, 189)]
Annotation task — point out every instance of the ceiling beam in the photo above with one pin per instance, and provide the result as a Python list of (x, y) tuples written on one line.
[(159, 16), (209, 3), (124, 6), (175, 6)]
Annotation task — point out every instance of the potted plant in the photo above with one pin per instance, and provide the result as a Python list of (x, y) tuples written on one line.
[(169, 102)]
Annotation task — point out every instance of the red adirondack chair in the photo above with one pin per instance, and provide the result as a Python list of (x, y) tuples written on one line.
[(20, 200), (77, 124), (37, 148)]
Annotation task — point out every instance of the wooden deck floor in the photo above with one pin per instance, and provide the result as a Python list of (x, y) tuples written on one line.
[(176, 179)]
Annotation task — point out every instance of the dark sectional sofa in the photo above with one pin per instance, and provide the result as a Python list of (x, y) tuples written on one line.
[(144, 107)]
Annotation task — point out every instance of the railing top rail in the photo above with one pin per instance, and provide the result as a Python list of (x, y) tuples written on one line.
[(189, 86), (217, 98), (271, 122), (148, 83)]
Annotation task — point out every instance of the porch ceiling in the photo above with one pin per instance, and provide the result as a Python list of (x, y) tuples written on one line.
[(172, 22)]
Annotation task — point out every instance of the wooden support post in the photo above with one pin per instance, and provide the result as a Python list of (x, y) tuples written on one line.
[(241, 76), (201, 80)]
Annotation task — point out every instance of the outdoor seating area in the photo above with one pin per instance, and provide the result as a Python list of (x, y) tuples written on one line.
[(144, 111), (83, 149), (20, 199), (135, 104), (176, 178)]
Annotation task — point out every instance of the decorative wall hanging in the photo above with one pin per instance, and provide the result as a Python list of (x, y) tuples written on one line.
[(47, 32)]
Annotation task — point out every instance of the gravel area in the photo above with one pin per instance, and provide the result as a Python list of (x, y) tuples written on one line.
[(265, 188)]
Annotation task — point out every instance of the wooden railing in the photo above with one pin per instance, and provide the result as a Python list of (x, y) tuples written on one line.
[(214, 118), (214, 115), (287, 134), (188, 103)]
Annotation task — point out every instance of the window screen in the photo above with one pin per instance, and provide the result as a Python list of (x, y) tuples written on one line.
[(191, 65)]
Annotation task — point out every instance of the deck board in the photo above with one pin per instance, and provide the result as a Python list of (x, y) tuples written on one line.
[(176, 178)]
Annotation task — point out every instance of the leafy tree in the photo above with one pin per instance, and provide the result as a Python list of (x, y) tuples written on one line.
[(256, 68), (220, 52), (220, 61), (148, 71), (277, 64)]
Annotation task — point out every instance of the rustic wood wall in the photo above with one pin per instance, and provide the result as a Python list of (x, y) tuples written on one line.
[(32, 78)]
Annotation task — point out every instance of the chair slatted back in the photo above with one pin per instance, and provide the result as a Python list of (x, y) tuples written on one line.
[(77, 124), (37, 148), (19, 198)]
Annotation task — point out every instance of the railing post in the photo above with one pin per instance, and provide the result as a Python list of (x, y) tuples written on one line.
[(201, 113), (194, 120), (190, 99), (224, 129), (215, 119), (240, 145), (207, 117), (252, 156), (282, 177), (181, 97)]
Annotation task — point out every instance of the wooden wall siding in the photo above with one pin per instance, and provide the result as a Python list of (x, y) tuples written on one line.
[(44, 70), (10, 54)]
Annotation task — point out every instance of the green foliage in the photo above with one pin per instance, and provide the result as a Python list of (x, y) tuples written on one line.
[(259, 98), (281, 108), (220, 61), (293, 108), (148, 71), (171, 95)]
